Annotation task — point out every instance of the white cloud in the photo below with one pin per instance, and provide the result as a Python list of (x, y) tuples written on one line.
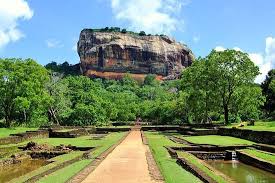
[(219, 48), (53, 43), (237, 49), (74, 48), (10, 12), (151, 16), (196, 39), (265, 61)]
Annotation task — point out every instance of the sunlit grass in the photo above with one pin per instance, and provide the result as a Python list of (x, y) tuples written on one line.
[(171, 171)]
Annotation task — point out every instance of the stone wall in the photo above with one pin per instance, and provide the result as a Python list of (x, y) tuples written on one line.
[(265, 137), (256, 162), (20, 137)]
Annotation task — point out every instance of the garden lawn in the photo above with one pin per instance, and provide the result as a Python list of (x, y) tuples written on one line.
[(171, 171), (69, 171), (262, 126), (195, 161), (258, 126), (216, 140), (5, 132), (267, 156)]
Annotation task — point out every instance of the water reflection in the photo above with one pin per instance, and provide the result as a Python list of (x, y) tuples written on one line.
[(241, 172), (12, 171)]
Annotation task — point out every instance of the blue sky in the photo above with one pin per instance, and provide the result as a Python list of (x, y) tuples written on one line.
[(48, 30)]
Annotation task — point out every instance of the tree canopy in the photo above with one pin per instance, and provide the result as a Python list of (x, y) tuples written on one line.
[(218, 87)]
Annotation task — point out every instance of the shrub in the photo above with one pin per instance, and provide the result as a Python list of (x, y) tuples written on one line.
[(142, 33)]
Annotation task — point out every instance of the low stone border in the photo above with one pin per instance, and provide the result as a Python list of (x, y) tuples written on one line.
[(68, 134), (172, 152), (266, 137), (20, 137), (161, 128), (152, 165), (264, 147), (195, 170), (180, 140), (256, 162), (112, 129), (144, 139), (58, 167), (183, 162), (210, 148), (82, 174)]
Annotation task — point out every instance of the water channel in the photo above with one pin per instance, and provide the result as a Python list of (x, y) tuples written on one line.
[(241, 172), (9, 172)]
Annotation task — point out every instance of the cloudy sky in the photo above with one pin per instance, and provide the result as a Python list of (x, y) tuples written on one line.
[(48, 30)]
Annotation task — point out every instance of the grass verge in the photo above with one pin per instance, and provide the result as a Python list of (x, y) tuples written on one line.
[(5, 132), (258, 126), (72, 169), (195, 161), (171, 171), (267, 156), (217, 140)]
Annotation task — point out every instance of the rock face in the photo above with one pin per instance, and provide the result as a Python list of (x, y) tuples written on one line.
[(113, 54)]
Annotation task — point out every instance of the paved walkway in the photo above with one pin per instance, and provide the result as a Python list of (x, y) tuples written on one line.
[(126, 164)]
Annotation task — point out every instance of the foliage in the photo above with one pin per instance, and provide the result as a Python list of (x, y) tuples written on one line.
[(216, 87), (268, 87), (22, 88), (123, 31), (142, 33), (64, 69), (222, 83)]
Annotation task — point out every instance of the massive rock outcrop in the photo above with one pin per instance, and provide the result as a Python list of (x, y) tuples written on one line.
[(112, 54)]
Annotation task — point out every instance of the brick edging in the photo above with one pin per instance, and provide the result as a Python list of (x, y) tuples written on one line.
[(82, 174)]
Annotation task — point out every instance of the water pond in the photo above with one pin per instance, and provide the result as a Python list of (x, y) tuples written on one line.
[(12, 171), (241, 172)]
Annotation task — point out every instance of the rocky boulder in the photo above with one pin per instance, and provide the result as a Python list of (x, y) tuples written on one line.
[(112, 54)]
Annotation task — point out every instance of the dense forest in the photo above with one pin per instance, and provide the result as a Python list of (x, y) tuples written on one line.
[(219, 87)]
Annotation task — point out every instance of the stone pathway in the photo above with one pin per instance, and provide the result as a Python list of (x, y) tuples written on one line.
[(126, 164)]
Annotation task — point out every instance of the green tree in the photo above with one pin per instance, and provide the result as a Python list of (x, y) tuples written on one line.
[(124, 31), (230, 69), (142, 33), (217, 82), (268, 87), (22, 90), (198, 85), (246, 102), (150, 79), (60, 104)]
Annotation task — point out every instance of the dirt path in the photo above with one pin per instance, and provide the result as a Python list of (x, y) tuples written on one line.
[(126, 164)]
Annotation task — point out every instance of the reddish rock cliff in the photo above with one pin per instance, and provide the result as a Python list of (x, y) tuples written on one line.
[(112, 54)]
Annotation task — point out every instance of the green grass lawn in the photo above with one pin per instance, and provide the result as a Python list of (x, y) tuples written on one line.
[(5, 132), (71, 170), (259, 126), (195, 161), (261, 154), (216, 140), (172, 172)]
